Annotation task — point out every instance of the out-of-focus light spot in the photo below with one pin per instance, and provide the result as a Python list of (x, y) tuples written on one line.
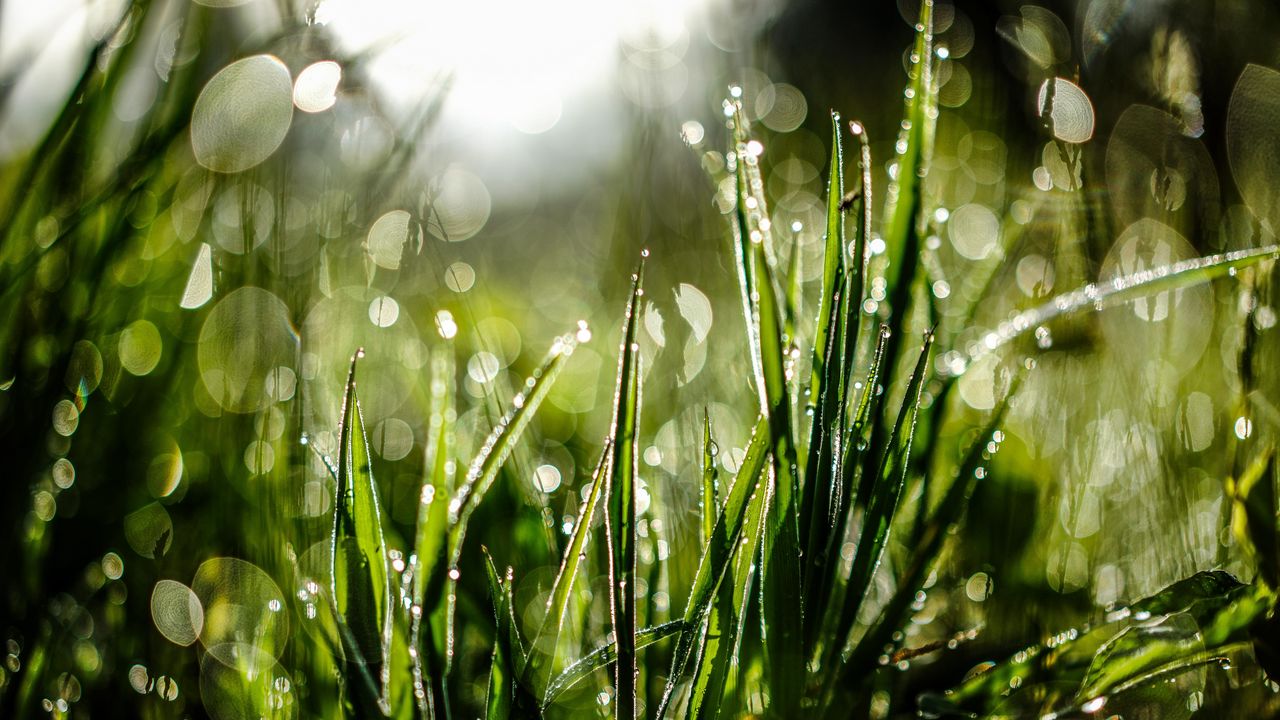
[(445, 325), (384, 311), (546, 478), (392, 439), (176, 612), (1035, 275), (259, 457), (200, 283), (63, 473), (316, 88), (974, 231), (584, 332), (692, 132), (387, 238), (149, 530), (1041, 178), (695, 308), (242, 114), (138, 679), (140, 347), (1069, 110), (977, 587), (66, 418), (1243, 427), (459, 277), (483, 367), (112, 566), (787, 107), (534, 108), (457, 205)]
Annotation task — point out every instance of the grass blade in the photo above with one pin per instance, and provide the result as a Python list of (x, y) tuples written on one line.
[(480, 477), (506, 697), (782, 599), (620, 514), (1144, 283), (882, 505), (604, 656), (361, 591), (561, 591), (717, 557), (710, 477)]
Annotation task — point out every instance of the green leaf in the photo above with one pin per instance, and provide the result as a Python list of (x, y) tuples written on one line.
[(360, 588), (710, 476), (603, 657), (620, 514), (561, 591)]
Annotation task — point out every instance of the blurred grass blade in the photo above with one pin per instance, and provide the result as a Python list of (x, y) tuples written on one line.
[(506, 697), (718, 556), (1253, 515), (620, 514), (604, 656), (561, 591), (361, 590)]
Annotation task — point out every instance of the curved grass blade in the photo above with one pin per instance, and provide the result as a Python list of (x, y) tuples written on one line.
[(1143, 283), (718, 556), (620, 508), (604, 656), (832, 262), (561, 591), (361, 591)]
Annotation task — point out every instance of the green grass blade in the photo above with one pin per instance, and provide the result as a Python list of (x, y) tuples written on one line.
[(431, 534), (718, 556), (1253, 515), (561, 591), (1143, 283), (832, 263), (882, 505), (506, 697), (620, 514), (484, 470), (361, 591), (710, 476), (949, 512), (604, 656), (782, 599), (715, 669), (903, 200)]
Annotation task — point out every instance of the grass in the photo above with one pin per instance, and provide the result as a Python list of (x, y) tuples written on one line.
[(792, 594)]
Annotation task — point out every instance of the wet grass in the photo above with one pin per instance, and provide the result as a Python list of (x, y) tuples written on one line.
[(791, 595)]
